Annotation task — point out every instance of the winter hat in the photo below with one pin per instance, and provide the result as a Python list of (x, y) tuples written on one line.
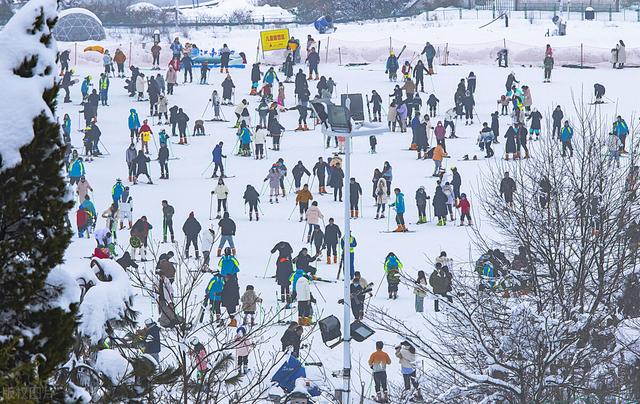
[(463, 195), (242, 330), (149, 322), (194, 341)]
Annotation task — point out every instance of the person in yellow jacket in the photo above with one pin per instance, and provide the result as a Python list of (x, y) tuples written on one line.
[(145, 132)]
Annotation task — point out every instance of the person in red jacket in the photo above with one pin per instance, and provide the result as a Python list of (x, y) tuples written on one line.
[(465, 209), (82, 221)]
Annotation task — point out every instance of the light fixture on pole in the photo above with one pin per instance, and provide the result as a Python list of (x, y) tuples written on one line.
[(340, 124)]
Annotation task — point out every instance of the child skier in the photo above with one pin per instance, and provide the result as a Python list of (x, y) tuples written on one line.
[(249, 301), (392, 267)]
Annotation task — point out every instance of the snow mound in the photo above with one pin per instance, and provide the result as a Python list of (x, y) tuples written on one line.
[(61, 279), (227, 8), (143, 7), (105, 301), (22, 99), (112, 365)]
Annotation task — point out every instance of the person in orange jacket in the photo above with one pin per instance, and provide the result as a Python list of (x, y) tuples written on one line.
[(438, 155), (378, 362)]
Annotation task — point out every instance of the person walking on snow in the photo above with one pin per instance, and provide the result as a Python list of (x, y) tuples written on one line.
[(302, 200), (252, 197), (465, 209), (421, 203), (392, 66), (378, 362), (392, 268), (355, 191)]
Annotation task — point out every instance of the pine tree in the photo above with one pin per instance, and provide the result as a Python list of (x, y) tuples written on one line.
[(36, 325)]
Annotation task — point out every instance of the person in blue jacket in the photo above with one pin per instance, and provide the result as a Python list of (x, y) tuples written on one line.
[(324, 24), (66, 128), (270, 76), (117, 190), (84, 87), (392, 66), (245, 140), (214, 291), (228, 264), (89, 207), (565, 136), (76, 171), (217, 160), (353, 243), (176, 48), (621, 130), (400, 209), (134, 124), (430, 52)]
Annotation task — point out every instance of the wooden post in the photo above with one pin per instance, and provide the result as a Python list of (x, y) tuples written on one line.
[(326, 54), (339, 57), (581, 55)]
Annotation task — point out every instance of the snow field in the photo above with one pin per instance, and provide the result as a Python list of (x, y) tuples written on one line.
[(188, 190)]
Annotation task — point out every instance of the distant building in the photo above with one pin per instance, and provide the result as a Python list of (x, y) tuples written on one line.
[(416, 6)]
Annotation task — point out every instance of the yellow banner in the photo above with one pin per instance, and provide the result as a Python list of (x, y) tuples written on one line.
[(274, 39)]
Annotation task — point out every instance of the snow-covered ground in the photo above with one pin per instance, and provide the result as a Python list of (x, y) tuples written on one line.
[(189, 191)]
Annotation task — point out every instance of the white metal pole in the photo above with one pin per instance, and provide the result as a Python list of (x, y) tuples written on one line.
[(346, 371)]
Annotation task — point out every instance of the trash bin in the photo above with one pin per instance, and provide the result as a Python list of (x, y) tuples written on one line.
[(589, 14)]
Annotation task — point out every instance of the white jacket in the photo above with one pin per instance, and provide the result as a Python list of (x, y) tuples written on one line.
[(140, 84), (207, 240), (303, 289), (259, 137), (221, 191)]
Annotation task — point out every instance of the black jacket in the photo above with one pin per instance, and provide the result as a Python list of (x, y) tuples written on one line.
[(320, 169), (227, 227), (191, 227), (332, 234), (299, 170), (355, 190), (291, 338), (251, 195), (284, 250), (440, 281), (163, 154)]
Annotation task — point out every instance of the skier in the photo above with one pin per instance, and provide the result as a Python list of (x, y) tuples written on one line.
[(421, 203), (406, 70), (181, 120), (214, 292), (429, 52), (449, 117), (302, 200), (486, 139), (274, 127), (274, 184), (399, 206), (126, 208), (222, 192), (432, 102), (314, 215), (418, 74), (227, 90), (511, 78), (565, 135), (392, 66), (230, 297), (468, 102), (465, 209), (167, 221), (392, 116), (557, 117), (438, 155), (204, 69), (353, 243), (332, 235), (292, 338), (355, 191), (141, 84), (119, 57), (199, 355), (155, 54), (171, 78), (536, 124), (225, 55), (621, 130), (151, 338), (440, 281), (376, 100), (440, 133), (141, 167), (134, 124), (392, 268), (378, 362), (510, 145), (448, 192), (191, 229), (548, 66), (298, 171), (440, 206), (456, 182), (187, 65), (145, 132), (103, 85), (284, 269), (319, 170), (163, 109), (288, 68), (313, 59), (507, 189), (471, 83), (139, 237), (336, 181), (243, 346)]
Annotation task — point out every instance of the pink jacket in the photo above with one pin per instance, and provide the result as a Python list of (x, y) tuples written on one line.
[(314, 215), (243, 346), (200, 358), (439, 131)]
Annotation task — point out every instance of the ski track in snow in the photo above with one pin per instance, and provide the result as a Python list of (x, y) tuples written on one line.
[(188, 191)]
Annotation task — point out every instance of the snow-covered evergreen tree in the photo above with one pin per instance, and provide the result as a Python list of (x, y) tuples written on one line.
[(37, 316)]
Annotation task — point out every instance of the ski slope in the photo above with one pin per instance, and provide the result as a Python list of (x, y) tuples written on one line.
[(189, 191)]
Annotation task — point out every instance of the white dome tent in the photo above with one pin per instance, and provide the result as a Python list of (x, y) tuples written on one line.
[(77, 25)]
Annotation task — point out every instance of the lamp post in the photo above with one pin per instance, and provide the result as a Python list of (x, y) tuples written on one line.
[(344, 128)]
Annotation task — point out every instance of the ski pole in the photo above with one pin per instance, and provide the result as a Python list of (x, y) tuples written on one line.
[(206, 169), (267, 267), (210, 204), (293, 210)]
